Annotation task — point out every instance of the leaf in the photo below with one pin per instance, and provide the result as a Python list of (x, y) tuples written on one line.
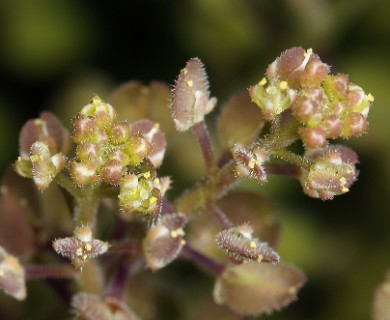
[(92, 307), (256, 288), (135, 101), (240, 121), (18, 203), (381, 306)]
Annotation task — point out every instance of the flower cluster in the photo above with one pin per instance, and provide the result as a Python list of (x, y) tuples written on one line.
[(326, 106)]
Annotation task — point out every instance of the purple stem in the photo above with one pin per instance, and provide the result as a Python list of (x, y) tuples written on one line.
[(204, 262), (282, 169), (202, 134), (47, 271), (222, 219)]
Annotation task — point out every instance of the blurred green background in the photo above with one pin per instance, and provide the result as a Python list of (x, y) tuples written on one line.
[(55, 54)]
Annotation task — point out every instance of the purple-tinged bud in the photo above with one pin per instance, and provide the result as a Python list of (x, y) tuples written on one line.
[(301, 68), (357, 100), (306, 110), (84, 128), (104, 113), (332, 172), (152, 133), (12, 275), (191, 97), (45, 166), (313, 138), (119, 133), (164, 241), (336, 86), (115, 154), (84, 173), (249, 164), (136, 194), (137, 149), (241, 246), (90, 152), (273, 99), (47, 129), (112, 172), (332, 125), (355, 124)]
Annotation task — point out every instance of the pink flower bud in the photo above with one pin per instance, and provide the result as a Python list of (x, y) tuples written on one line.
[(84, 128), (119, 133), (84, 173), (313, 138), (191, 97), (332, 126), (112, 172), (336, 86), (355, 124)]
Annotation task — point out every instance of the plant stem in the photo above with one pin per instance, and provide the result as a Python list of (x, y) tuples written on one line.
[(86, 208), (202, 134), (292, 158), (206, 191), (204, 262), (282, 169), (222, 219), (47, 271), (66, 182), (124, 247)]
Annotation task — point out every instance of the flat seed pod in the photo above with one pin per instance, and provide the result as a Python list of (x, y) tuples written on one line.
[(256, 288)]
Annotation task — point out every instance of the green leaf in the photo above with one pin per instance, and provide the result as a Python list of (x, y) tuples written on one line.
[(240, 121), (256, 288)]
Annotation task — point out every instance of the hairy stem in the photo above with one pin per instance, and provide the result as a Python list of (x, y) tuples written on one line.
[(292, 158), (66, 183), (86, 208), (202, 134)]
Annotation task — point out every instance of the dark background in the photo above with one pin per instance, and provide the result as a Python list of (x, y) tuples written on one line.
[(55, 54)]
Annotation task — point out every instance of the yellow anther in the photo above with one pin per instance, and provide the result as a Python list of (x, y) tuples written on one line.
[(190, 83), (251, 163), (283, 85), (152, 200), (96, 99), (263, 82), (344, 190), (253, 245), (34, 158), (1, 273), (185, 71), (260, 258), (147, 175), (370, 97), (88, 247), (183, 242), (308, 52), (173, 234), (180, 232), (85, 257), (79, 251)]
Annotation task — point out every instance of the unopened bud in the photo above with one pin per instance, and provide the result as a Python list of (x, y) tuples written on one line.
[(313, 138), (191, 97), (112, 172), (104, 113), (355, 124), (84, 128), (83, 173), (119, 133), (137, 149)]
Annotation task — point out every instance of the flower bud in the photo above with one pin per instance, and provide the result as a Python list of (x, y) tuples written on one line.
[(12, 275), (164, 241), (102, 112), (336, 86), (301, 68), (112, 172), (136, 149), (241, 246), (84, 128), (331, 173), (355, 124), (313, 138), (84, 173), (152, 133), (191, 97), (119, 133)]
